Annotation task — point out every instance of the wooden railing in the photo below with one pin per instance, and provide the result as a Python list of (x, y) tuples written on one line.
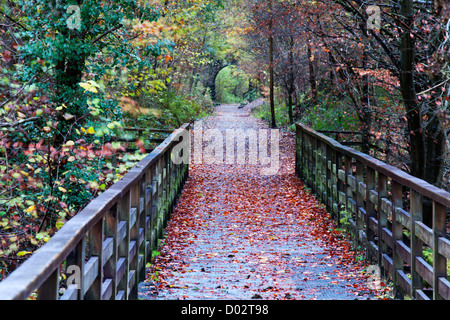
[(102, 252), (384, 208)]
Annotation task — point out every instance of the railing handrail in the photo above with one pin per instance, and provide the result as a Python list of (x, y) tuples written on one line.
[(402, 177), (33, 272)]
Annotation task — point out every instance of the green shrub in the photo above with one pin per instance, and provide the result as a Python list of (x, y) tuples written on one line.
[(170, 109), (327, 114), (281, 115)]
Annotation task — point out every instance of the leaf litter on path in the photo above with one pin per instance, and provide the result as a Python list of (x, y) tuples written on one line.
[(237, 234)]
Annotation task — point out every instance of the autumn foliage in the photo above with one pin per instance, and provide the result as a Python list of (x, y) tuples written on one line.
[(68, 92)]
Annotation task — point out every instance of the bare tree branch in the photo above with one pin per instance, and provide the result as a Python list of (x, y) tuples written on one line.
[(15, 124), (106, 32), (16, 22)]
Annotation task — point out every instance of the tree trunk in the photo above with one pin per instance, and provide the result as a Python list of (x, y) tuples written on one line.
[(291, 115), (215, 67), (426, 144), (330, 60), (435, 144), (69, 73), (365, 108), (312, 76), (271, 66), (407, 84), (291, 81)]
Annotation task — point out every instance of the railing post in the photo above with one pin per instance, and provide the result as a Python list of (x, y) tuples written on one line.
[(310, 163), (123, 247), (141, 225), (318, 169), (416, 212), (95, 249), (166, 189), (397, 234), (133, 255), (439, 261), (110, 267), (164, 194), (170, 183), (146, 223), (360, 211), (346, 186), (340, 187), (382, 219), (329, 182), (306, 159), (159, 201), (370, 213), (298, 148), (75, 261), (49, 289), (304, 156), (154, 208), (323, 173), (185, 166), (334, 186)]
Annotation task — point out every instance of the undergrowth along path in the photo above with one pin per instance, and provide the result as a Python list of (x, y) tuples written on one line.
[(239, 234)]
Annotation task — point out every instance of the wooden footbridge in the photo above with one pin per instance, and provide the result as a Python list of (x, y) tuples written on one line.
[(102, 252)]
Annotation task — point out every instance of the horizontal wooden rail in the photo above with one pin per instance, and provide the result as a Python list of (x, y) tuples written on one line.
[(148, 130), (140, 132), (152, 140), (344, 132), (384, 209), (101, 253)]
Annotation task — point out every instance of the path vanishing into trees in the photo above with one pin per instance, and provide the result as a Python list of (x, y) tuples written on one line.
[(239, 234)]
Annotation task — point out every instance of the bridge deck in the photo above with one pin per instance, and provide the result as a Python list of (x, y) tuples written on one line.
[(242, 233)]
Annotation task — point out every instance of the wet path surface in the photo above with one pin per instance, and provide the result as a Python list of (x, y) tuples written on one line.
[(239, 234)]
